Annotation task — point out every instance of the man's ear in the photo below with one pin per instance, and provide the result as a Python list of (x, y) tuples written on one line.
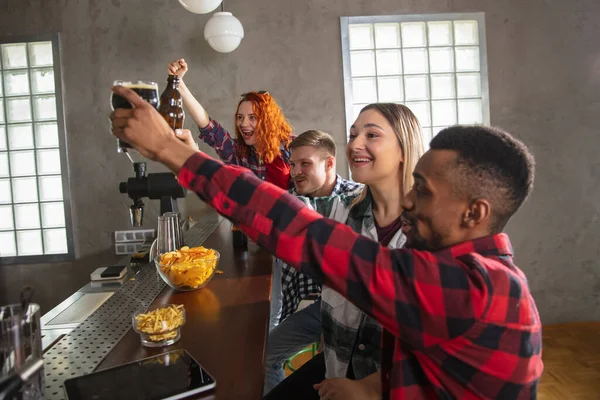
[(330, 162), (478, 212)]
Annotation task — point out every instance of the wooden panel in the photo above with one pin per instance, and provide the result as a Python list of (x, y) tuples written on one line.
[(227, 321)]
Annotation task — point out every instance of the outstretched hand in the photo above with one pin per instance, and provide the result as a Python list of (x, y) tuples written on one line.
[(185, 135), (147, 131)]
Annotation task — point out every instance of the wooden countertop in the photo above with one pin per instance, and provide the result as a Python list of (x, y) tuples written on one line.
[(227, 321)]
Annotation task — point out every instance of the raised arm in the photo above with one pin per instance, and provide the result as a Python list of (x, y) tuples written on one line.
[(193, 106), (211, 132)]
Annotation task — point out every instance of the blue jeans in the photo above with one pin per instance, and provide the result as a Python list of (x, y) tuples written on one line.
[(292, 335), (276, 294)]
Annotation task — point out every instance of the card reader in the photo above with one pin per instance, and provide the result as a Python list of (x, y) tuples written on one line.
[(109, 273)]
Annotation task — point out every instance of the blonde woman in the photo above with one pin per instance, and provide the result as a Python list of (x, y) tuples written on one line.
[(384, 146)]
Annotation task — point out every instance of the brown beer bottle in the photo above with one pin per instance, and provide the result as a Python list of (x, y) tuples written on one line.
[(171, 104)]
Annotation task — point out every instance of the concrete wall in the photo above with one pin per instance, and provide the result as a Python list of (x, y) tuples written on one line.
[(544, 78)]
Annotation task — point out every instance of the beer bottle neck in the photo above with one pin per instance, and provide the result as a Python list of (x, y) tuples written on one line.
[(173, 81)]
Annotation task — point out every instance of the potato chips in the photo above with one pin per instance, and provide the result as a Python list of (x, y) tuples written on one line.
[(162, 323), (189, 267)]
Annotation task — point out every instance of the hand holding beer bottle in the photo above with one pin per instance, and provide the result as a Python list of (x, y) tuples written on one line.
[(194, 109)]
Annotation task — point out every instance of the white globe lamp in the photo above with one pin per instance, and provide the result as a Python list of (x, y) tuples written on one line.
[(200, 6), (223, 32)]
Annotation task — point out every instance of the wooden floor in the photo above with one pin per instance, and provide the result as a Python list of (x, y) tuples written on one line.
[(571, 354)]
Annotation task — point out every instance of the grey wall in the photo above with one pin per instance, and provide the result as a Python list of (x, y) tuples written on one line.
[(544, 76)]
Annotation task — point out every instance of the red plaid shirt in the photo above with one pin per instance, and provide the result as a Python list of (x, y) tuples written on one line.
[(463, 321)]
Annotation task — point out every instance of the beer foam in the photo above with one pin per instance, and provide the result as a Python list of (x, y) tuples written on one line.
[(141, 86)]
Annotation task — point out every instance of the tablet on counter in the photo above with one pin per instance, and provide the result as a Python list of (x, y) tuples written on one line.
[(173, 375)]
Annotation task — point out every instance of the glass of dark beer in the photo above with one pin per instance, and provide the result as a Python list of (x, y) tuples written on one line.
[(145, 89)]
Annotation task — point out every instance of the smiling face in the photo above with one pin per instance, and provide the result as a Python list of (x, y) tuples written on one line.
[(373, 151), (434, 216), (246, 122), (467, 186)]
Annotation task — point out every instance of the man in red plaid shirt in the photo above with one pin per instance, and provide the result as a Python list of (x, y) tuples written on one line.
[(460, 320)]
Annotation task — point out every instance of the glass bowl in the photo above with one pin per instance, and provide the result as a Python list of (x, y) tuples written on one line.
[(158, 332), (190, 277)]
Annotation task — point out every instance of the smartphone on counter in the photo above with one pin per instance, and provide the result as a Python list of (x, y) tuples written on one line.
[(171, 376)]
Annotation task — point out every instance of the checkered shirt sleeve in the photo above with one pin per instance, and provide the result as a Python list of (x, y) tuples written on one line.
[(220, 140), (463, 320)]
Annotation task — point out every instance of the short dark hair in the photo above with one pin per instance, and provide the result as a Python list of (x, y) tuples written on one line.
[(493, 165), (314, 138)]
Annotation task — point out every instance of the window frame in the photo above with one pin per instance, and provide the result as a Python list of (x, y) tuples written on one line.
[(345, 22), (54, 38)]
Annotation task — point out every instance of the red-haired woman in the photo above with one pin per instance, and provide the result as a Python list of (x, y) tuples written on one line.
[(262, 133)]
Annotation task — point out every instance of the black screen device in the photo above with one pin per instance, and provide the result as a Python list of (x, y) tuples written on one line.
[(173, 375), (113, 271)]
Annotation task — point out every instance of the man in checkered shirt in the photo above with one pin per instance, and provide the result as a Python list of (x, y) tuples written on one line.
[(296, 285), (459, 320), (312, 167)]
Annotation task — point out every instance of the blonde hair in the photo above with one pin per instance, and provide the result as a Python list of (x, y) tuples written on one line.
[(314, 138), (407, 128)]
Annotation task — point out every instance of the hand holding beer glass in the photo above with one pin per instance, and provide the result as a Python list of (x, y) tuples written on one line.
[(145, 89)]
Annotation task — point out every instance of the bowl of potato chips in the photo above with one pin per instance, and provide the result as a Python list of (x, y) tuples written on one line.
[(188, 268), (159, 325)]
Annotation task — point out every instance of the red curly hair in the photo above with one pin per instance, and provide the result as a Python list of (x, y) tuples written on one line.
[(272, 128)]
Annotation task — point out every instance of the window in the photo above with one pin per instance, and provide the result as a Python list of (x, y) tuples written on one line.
[(434, 64), (35, 218)]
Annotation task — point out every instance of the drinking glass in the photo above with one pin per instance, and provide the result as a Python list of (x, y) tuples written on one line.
[(145, 89), (21, 342), (169, 236)]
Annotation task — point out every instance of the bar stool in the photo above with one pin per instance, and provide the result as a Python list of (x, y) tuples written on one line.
[(314, 348)]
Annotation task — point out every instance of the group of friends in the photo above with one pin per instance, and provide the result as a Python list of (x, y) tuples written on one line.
[(418, 296)]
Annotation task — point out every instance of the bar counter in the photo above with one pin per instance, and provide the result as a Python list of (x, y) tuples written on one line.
[(226, 321)]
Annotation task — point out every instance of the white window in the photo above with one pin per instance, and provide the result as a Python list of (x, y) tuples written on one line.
[(35, 220), (434, 64)]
